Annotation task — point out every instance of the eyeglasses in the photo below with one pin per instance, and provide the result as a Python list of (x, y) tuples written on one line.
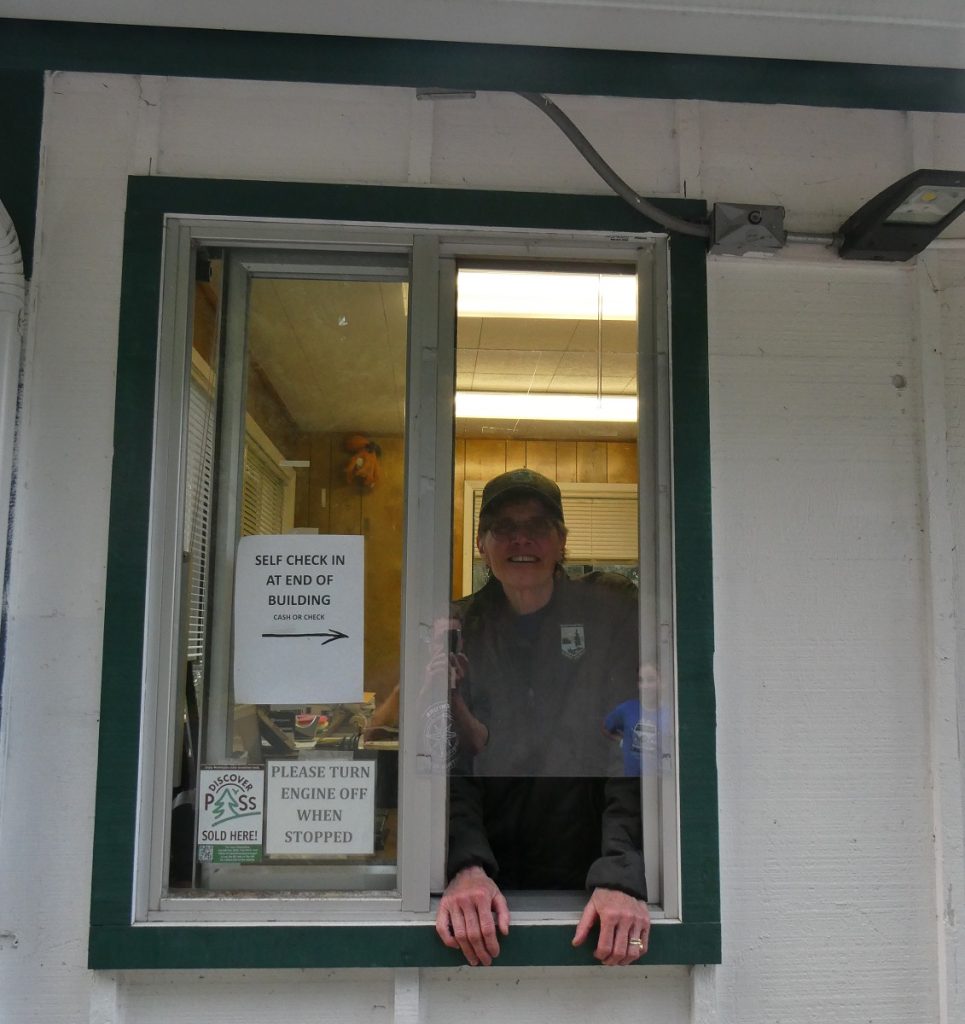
[(537, 528)]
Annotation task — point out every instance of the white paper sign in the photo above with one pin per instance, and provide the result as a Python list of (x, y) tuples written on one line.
[(320, 807), (299, 619)]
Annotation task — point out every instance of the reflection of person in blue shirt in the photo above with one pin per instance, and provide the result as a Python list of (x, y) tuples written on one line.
[(641, 727)]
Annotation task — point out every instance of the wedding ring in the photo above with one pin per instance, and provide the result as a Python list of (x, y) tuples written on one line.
[(636, 942)]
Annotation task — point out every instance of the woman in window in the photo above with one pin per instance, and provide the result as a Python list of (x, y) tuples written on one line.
[(537, 798)]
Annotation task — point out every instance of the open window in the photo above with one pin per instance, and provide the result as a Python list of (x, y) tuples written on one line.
[(316, 470), (557, 370)]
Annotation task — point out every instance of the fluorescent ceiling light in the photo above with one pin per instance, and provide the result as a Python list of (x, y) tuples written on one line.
[(491, 405), (546, 295)]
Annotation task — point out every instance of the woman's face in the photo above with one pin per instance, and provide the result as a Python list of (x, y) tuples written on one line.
[(523, 546)]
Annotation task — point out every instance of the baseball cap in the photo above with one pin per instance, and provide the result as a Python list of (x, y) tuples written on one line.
[(524, 483)]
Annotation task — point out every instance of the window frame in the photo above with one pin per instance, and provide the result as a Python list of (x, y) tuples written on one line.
[(118, 942), (243, 265), (428, 258)]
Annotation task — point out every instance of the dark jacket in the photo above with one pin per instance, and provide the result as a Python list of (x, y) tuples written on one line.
[(543, 806)]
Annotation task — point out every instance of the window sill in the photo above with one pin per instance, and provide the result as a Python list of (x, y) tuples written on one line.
[(201, 908), (406, 944)]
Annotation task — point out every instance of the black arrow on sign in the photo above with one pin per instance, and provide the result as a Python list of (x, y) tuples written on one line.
[(330, 635)]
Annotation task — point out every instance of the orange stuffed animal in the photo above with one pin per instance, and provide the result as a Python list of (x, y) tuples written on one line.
[(362, 467)]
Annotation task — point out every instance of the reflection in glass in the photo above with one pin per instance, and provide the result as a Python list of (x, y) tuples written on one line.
[(548, 704), (318, 449)]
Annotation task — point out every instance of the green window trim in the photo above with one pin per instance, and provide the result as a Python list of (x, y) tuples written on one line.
[(27, 44), (283, 946), (115, 942), (20, 128)]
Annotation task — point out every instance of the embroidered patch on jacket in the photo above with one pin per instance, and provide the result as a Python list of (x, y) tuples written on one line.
[(572, 641)]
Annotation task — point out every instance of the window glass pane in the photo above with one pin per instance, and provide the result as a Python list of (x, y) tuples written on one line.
[(553, 637), (292, 580)]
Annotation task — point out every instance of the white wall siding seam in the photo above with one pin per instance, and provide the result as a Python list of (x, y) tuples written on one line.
[(407, 1005), (146, 146), (421, 129), (686, 115), (941, 668), (104, 1002), (703, 994)]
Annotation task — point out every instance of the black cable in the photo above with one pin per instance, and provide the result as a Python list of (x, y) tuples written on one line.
[(606, 172)]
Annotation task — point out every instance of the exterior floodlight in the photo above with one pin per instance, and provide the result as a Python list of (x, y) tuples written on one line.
[(902, 220)]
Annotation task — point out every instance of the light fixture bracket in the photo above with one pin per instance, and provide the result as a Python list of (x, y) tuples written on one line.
[(737, 228)]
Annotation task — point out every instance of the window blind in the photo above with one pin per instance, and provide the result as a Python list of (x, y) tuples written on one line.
[(262, 511), (197, 512), (602, 526), (263, 497)]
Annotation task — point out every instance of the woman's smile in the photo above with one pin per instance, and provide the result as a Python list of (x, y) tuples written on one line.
[(522, 548)]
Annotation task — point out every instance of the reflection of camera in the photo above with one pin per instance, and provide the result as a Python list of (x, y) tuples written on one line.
[(454, 640)]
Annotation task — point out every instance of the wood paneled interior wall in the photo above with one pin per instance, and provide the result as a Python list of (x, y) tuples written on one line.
[(205, 323), (587, 462), (326, 501)]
